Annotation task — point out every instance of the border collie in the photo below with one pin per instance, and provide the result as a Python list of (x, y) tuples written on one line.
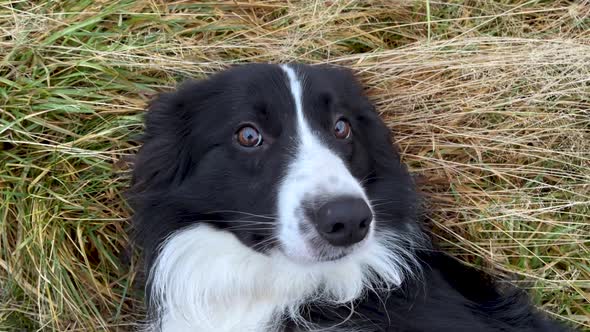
[(271, 198)]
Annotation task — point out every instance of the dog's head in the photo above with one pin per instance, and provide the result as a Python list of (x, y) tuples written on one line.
[(291, 159)]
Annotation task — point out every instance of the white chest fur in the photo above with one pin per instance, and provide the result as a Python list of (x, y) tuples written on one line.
[(207, 280), (239, 317)]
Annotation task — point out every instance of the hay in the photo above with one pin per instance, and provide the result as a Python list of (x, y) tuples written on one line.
[(489, 102)]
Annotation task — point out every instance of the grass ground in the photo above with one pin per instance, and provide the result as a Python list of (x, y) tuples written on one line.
[(489, 100)]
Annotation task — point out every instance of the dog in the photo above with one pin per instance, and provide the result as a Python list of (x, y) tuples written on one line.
[(271, 198)]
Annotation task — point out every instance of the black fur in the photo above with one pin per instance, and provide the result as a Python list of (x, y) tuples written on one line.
[(191, 170), (451, 297)]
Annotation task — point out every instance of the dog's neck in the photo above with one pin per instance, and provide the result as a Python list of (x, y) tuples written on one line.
[(205, 279)]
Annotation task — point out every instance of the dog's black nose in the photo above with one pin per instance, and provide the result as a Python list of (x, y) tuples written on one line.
[(344, 221)]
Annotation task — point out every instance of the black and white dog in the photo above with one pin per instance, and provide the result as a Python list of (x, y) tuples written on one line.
[(270, 198)]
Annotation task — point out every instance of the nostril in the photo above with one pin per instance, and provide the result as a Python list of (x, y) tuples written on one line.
[(364, 224), (337, 227)]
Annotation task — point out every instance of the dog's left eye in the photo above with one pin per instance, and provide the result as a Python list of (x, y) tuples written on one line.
[(342, 129), (248, 136)]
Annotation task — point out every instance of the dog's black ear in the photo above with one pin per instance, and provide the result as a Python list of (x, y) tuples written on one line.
[(165, 157)]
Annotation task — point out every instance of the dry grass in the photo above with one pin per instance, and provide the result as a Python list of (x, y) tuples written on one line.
[(490, 102)]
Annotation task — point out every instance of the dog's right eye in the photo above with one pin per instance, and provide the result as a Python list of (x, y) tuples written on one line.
[(342, 129), (248, 136)]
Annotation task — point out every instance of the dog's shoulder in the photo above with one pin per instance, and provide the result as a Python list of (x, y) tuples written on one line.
[(448, 296)]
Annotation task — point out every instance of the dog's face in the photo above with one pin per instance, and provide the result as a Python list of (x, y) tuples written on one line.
[(287, 158)]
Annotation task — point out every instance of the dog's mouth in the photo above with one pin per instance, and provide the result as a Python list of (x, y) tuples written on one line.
[(334, 258), (326, 252), (315, 249), (330, 257)]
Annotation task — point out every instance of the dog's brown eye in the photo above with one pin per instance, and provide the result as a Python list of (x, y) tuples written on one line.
[(342, 129), (249, 136)]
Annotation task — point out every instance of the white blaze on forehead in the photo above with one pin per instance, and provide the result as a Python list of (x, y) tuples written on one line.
[(315, 171), (305, 134)]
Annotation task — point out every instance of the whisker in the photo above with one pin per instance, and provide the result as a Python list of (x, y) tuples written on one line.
[(247, 222), (380, 204), (266, 242), (244, 228), (245, 213), (365, 180)]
